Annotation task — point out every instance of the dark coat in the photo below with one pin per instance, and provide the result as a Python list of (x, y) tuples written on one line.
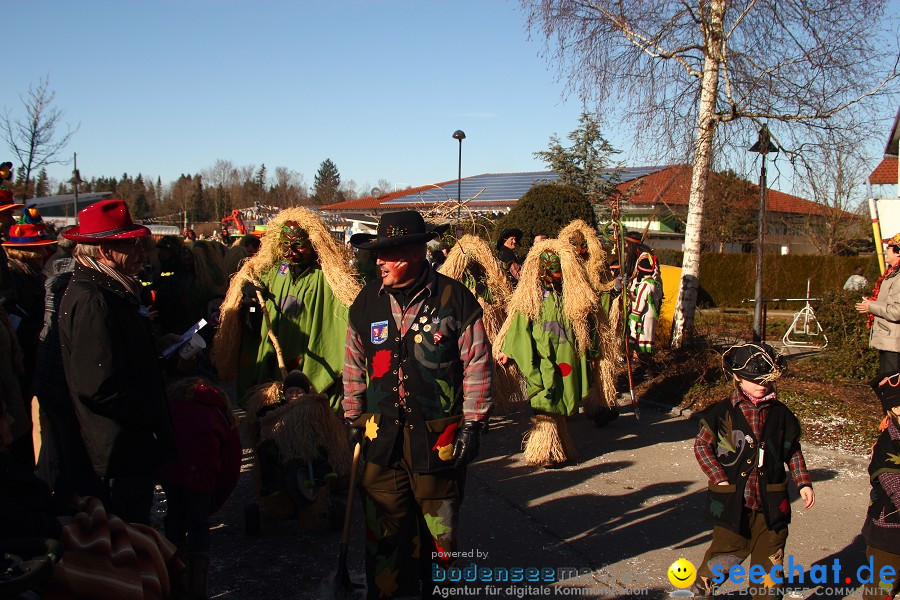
[(114, 376)]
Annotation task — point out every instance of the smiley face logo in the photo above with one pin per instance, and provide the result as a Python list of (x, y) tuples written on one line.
[(682, 573)]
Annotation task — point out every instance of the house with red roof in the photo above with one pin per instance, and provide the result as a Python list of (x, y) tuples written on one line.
[(888, 170), (657, 200)]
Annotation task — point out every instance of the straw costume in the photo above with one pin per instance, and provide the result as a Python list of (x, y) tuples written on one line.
[(304, 276), (290, 453), (472, 262), (551, 334), (601, 403)]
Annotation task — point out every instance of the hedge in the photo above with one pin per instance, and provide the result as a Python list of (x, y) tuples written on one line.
[(726, 279)]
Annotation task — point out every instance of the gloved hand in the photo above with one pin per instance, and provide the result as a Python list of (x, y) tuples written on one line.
[(248, 293), (354, 434), (465, 449)]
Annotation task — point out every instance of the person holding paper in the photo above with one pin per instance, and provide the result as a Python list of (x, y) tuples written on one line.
[(110, 360)]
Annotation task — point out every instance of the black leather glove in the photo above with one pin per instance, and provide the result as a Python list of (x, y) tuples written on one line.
[(465, 449), (354, 434)]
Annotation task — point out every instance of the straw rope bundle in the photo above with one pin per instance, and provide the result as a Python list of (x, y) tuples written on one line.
[(333, 257), (508, 387), (581, 303), (548, 442), (596, 266), (209, 269)]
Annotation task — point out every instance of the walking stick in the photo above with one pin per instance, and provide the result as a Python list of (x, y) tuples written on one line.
[(344, 587), (620, 243), (278, 354)]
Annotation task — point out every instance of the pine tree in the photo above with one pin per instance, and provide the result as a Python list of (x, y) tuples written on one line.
[(41, 184), (327, 183)]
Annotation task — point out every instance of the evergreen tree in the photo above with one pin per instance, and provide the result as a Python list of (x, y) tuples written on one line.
[(586, 164), (327, 183), (546, 209), (41, 184)]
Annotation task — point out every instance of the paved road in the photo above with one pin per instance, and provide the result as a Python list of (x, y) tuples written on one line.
[(620, 516)]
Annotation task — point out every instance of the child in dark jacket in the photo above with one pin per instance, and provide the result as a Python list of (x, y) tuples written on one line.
[(881, 529), (199, 481), (743, 446)]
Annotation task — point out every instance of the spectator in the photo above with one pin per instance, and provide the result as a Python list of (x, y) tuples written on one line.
[(882, 310), (507, 242), (856, 282), (110, 360)]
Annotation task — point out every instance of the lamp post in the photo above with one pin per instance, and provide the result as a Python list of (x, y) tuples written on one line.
[(75, 181), (459, 135), (763, 146)]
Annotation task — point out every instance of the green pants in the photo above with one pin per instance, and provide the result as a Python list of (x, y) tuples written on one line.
[(411, 524), (764, 546)]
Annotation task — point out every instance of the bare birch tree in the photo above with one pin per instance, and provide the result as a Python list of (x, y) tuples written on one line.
[(33, 138), (688, 66)]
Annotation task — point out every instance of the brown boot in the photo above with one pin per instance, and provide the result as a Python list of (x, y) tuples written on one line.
[(196, 575)]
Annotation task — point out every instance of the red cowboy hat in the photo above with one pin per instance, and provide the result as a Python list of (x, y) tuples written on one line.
[(103, 221), (24, 235), (6, 200)]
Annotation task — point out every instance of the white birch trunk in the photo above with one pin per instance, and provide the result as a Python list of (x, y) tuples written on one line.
[(683, 320)]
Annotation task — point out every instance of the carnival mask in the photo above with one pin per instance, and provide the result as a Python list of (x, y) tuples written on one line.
[(298, 249), (579, 244), (551, 271)]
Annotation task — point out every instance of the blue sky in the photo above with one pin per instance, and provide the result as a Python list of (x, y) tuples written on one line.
[(378, 86)]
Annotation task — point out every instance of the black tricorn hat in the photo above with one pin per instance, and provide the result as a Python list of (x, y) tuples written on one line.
[(399, 228), (755, 362), (509, 233), (889, 391)]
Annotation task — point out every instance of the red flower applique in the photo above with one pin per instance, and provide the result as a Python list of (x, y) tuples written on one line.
[(785, 506), (438, 336), (446, 437), (565, 369), (381, 362)]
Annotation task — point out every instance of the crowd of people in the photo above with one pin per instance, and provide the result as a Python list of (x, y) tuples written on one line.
[(406, 364)]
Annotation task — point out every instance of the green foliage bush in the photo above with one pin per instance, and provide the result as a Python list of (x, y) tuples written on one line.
[(848, 355), (546, 209)]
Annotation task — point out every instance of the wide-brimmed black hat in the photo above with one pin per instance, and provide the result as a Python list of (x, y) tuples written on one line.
[(509, 233), (399, 228), (755, 362), (889, 391)]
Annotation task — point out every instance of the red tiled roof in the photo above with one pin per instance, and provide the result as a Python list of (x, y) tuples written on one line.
[(673, 185), (375, 202), (885, 172)]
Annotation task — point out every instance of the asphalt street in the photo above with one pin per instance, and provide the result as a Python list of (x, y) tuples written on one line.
[(608, 526)]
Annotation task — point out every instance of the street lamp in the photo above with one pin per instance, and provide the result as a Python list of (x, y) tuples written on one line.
[(763, 146), (75, 181), (459, 135)]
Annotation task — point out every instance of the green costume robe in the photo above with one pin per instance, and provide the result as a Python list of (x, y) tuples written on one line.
[(558, 377), (311, 326)]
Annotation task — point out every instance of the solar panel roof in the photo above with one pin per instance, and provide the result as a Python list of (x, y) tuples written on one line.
[(499, 187)]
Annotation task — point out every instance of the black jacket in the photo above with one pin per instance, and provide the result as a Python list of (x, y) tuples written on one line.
[(114, 377)]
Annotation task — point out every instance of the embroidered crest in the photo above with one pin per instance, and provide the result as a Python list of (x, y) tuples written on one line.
[(379, 332), (283, 269)]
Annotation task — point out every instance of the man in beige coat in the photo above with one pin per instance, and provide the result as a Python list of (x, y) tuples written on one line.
[(883, 310)]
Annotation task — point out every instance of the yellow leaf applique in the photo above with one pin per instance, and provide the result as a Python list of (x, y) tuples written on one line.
[(767, 581), (371, 428), (894, 458), (445, 452), (386, 581)]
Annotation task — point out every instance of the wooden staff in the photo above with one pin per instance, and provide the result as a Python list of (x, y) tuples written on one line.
[(278, 354)]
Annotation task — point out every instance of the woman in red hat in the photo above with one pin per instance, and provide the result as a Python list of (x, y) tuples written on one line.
[(27, 248)]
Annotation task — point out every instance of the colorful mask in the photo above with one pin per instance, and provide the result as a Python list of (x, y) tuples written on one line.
[(579, 244), (551, 271), (297, 246)]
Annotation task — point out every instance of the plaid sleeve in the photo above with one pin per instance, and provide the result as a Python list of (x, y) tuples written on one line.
[(354, 375), (475, 353), (799, 472), (705, 454)]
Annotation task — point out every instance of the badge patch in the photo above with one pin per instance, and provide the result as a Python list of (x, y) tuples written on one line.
[(283, 269), (379, 332)]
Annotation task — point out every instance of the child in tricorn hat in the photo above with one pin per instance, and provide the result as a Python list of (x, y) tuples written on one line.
[(744, 443), (881, 528)]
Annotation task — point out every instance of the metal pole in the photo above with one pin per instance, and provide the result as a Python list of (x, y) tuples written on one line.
[(459, 184), (77, 180), (758, 324)]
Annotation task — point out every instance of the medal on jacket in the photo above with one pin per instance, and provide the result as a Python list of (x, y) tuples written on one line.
[(418, 338)]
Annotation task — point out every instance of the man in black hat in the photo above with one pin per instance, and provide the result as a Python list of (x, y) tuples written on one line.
[(744, 443), (417, 381), (507, 242)]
